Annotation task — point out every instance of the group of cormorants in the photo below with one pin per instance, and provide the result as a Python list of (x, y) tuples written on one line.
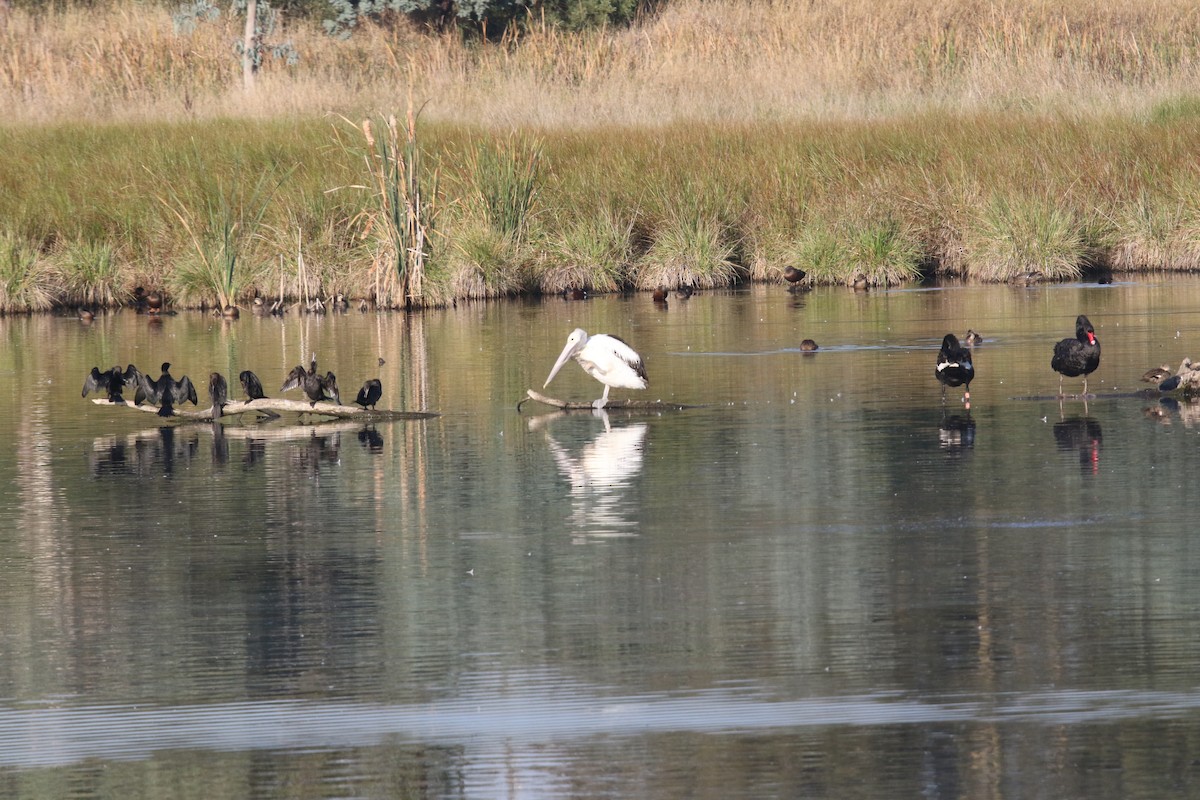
[(166, 392)]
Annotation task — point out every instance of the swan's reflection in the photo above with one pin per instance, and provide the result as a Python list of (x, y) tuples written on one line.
[(601, 474), (956, 432), (1081, 434)]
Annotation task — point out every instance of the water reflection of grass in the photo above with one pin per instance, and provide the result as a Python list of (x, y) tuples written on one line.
[(977, 147)]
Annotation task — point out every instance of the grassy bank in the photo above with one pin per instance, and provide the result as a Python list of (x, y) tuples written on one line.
[(714, 143)]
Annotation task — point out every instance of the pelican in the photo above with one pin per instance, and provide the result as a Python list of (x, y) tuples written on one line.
[(606, 358)]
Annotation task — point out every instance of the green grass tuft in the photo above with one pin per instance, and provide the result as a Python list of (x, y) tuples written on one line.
[(90, 275), (27, 281), (884, 251), (593, 252), (1015, 236)]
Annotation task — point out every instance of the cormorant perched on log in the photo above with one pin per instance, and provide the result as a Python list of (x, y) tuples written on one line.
[(111, 382), (330, 388), (132, 378), (218, 392), (166, 392), (370, 393), (251, 385), (315, 387)]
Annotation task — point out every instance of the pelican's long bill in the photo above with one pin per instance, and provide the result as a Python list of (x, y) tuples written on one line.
[(574, 344)]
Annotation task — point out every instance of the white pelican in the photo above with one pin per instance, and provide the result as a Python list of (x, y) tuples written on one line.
[(606, 358)]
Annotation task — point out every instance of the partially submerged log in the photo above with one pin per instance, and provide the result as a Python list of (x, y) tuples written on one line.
[(273, 405), (612, 405)]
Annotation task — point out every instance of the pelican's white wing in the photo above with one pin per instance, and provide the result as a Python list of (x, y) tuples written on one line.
[(611, 361)]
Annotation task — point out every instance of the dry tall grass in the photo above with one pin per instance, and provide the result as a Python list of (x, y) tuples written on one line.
[(714, 141), (695, 60)]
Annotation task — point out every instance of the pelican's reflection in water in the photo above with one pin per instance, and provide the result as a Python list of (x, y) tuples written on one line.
[(601, 474), (1082, 434)]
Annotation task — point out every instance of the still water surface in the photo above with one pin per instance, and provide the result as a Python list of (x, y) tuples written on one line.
[(818, 583)]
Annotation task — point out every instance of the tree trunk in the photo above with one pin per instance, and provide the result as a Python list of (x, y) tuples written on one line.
[(250, 46)]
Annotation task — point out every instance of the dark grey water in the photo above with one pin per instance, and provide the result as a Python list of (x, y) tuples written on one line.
[(821, 583)]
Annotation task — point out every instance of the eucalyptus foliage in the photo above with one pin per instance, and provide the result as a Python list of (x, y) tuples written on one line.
[(495, 16)]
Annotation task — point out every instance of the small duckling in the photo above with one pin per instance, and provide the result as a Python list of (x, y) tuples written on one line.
[(972, 338), (808, 345)]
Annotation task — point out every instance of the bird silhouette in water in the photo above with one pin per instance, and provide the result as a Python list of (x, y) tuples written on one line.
[(973, 338), (1078, 356), (685, 291), (370, 393), (660, 295), (954, 367), (808, 346), (251, 385), (315, 387), (111, 382), (218, 393)]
